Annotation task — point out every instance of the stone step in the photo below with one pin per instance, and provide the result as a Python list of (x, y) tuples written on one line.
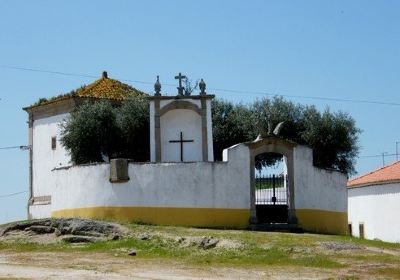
[(277, 227)]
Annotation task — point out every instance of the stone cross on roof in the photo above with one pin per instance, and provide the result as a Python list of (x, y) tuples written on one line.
[(180, 77)]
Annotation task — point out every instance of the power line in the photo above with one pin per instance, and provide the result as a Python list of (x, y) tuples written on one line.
[(310, 97), (12, 194), (379, 155), (214, 89), (68, 74), (15, 147)]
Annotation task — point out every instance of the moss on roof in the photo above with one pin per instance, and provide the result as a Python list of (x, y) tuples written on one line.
[(103, 88)]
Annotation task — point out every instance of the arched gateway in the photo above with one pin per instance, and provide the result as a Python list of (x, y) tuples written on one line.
[(316, 198), (259, 200)]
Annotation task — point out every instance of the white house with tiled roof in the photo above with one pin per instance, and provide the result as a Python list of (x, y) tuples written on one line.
[(46, 153), (374, 204)]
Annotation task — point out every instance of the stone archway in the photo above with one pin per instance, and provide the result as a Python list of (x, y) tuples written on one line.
[(278, 146)]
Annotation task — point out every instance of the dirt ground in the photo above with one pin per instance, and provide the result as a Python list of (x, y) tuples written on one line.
[(39, 249), (38, 265)]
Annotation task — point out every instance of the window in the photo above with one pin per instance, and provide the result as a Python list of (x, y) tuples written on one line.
[(53, 142), (350, 229), (361, 230)]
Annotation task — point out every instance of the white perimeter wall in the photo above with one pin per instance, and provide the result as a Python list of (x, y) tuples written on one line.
[(378, 207), (198, 184), (317, 188), (45, 159)]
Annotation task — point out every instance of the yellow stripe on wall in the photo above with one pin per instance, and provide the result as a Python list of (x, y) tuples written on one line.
[(199, 217), (322, 221)]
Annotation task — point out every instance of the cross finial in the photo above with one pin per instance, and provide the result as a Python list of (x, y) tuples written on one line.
[(180, 77), (157, 87)]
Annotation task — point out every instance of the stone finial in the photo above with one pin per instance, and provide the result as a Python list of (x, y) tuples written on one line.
[(269, 131), (202, 86), (157, 87), (104, 75)]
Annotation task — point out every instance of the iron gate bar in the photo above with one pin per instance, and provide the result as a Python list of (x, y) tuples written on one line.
[(271, 189)]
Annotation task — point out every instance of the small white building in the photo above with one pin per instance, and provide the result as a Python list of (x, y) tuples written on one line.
[(374, 204), (46, 152)]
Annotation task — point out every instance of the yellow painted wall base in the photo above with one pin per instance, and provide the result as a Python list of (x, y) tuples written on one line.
[(199, 217), (322, 221)]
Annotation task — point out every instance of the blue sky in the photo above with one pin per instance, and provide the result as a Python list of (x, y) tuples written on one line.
[(338, 49)]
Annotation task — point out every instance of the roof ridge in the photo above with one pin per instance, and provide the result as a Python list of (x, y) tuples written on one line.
[(86, 88), (104, 87), (374, 171)]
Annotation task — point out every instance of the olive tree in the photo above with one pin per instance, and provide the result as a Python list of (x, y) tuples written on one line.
[(100, 130)]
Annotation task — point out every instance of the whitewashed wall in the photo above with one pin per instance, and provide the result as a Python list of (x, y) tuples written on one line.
[(187, 121), (378, 207), (172, 123), (45, 159), (317, 188), (40, 211), (194, 185), (204, 185)]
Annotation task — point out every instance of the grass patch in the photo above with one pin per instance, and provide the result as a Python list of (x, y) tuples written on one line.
[(257, 249), (390, 272), (366, 242)]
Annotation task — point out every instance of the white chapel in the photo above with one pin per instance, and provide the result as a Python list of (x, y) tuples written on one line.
[(181, 126)]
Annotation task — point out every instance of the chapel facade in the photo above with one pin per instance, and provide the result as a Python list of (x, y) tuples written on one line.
[(45, 150)]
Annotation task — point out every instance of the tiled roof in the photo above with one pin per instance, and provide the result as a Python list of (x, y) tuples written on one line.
[(386, 174), (104, 88)]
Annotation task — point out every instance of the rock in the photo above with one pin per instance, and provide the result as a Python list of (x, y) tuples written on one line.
[(65, 230), (209, 242), (57, 232), (86, 233), (115, 237), (41, 229), (144, 236), (79, 239), (180, 239), (14, 227), (67, 226), (132, 252), (339, 246)]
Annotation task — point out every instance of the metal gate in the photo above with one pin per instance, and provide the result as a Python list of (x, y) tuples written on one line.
[(271, 198), (271, 189)]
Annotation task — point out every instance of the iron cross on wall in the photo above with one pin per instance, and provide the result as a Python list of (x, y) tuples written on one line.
[(181, 141)]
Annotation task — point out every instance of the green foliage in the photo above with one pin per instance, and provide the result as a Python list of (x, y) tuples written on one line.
[(91, 132), (44, 100), (332, 136), (98, 129), (133, 122), (232, 124)]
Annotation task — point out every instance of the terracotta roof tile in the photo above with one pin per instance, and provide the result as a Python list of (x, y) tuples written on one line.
[(385, 174), (102, 88), (107, 88)]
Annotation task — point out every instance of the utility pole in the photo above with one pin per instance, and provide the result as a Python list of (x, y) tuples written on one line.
[(397, 150)]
